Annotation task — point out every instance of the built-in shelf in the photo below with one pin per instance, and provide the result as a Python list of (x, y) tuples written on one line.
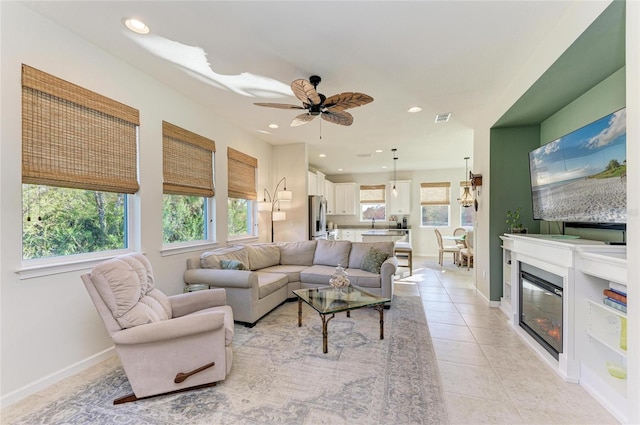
[(592, 350), (604, 326)]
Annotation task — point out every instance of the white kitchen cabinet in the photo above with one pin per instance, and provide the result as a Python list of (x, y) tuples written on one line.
[(347, 235), (345, 198), (312, 183), (330, 196), (320, 183), (401, 203)]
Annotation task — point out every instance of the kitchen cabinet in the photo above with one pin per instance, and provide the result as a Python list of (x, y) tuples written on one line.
[(330, 196), (345, 198), (400, 204), (347, 235), (312, 183), (320, 183)]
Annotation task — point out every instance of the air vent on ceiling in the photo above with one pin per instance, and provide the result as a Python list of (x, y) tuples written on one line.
[(363, 155), (442, 117)]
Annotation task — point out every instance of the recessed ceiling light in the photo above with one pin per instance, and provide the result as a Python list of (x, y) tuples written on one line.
[(378, 150), (339, 169), (384, 166), (440, 118), (414, 109), (323, 155), (263, 131), (273, 125), (136, 26)]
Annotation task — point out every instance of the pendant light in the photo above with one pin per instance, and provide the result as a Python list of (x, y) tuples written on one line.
[(466, 200), (394, 191)]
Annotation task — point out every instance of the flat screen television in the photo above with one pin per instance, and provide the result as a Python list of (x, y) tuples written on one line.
[(582, 176)]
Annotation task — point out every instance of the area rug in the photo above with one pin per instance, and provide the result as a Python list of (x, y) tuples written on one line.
[(281, 376)]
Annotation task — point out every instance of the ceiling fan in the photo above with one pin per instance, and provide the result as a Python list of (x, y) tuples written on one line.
[(331, 109)]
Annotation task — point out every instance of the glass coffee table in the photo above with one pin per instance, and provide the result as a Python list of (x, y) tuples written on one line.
[(329, 301)]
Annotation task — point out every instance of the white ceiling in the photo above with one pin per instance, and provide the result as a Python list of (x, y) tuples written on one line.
[(445, 56)]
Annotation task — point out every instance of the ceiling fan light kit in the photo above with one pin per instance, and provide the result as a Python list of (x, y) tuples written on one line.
[(331, 109)]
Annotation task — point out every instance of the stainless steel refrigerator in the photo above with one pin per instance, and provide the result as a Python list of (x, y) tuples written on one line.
[(317, 217)]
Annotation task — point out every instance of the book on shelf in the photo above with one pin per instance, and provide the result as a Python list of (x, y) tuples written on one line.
[(618, 287), (615, 304), (609, 293)]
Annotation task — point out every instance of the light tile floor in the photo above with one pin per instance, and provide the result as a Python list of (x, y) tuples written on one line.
[(488, 373)]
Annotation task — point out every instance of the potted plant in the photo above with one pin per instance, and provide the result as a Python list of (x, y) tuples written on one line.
[(513, 220)]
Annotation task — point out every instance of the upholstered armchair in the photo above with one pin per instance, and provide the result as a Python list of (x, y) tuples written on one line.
[(165, 344)]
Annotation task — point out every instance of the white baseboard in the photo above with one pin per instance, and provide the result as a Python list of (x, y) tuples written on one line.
[(42, 383)]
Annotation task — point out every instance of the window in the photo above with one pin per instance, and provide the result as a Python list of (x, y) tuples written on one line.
[(242, 193), (466, 214), (435, 204), (79, 163), (372, 203), (187, 168)]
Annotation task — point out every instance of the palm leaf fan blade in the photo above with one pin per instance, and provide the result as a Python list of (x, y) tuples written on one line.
[(279, 105), (338, 117), (347, 100), (305, 91), (302, 119)]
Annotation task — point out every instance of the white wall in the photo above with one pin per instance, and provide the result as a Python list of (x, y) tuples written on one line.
[(49, 328), (423, 239)]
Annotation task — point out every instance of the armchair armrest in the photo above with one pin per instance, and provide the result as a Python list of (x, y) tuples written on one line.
[(222, 278), (170, 329), (183, 304), (389, 266)]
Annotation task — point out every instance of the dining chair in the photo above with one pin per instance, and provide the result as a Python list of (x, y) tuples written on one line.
[(442, 248)]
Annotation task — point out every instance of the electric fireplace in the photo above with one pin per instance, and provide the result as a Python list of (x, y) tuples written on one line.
[(540, 308)]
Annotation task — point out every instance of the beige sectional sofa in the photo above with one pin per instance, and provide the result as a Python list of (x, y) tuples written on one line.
[(274, 270)]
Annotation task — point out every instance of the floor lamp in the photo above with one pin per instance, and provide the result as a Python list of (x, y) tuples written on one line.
[(272, 203)]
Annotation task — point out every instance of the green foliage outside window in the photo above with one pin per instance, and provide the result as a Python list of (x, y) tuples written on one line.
[(239, 223), (183, 218), (60, 221), (435, 215)]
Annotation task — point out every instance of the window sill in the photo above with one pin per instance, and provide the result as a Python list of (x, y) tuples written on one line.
[(185, 247), (46, 267)]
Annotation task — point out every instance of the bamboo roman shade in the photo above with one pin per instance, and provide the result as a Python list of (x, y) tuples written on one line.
[(435, 193), (187, 162), (372, 194), (242, 175), (73, 137)]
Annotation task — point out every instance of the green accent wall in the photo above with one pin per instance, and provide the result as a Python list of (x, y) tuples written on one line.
[(586, 83), (510, 188)]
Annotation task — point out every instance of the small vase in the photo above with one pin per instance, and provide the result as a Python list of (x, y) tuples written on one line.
[(339, 279)]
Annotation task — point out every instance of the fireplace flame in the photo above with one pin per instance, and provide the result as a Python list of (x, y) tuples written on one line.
[(551, 329)]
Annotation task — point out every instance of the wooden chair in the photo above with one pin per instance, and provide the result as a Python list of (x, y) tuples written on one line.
[(466, 254), (454, 249)]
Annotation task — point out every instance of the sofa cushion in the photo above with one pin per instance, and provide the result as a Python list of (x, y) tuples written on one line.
[(262, 255), (292, 272), (317, 274), (360, 249), (211, 259), (268, 283), (232, 265), (373, 260), (363, 278), (297, 253), (332, 253)]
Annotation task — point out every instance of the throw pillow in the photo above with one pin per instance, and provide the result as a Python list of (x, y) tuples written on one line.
[(373, 260), (232, 265)]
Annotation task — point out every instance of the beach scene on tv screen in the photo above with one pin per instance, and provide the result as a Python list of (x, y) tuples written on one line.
[(582, 176)]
